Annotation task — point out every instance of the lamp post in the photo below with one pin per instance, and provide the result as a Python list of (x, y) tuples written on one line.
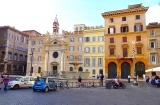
[(31, 62), (135, 77)]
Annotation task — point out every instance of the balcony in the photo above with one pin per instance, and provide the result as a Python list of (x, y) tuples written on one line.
[(78, 32)]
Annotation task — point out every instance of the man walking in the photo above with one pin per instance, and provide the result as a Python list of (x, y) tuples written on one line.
[(5, 81), (129, 77)]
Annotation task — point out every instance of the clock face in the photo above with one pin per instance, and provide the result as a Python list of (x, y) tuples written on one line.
[(55, 54)]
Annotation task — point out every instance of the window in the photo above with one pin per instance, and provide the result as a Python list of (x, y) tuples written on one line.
[(111, 51), (93, 61), (124, 29), (111, 30), (10, 45), (100, 38), (111, 20), (87, 50), (87, 39), (93, 39), (80, 29), (11, 36), (3, 44), (32, 58), (125, 53), (86, 70), (100, 49), (16, 47), (138, 38), (26, 79), (9, 56), (137, 17), (80, 39), (71, 39), (76, 29), (4, 35), (33, 42), (32, 49), (79, 48), (39, 58), (21, 57), (93, 49), (15, 57), (40, 49), (71, 58), (138, 28), (39, 69), (153, 58), (124, 39), (17, 38), (100, 62), (111, 40), (71, 68), (41, 42), (123, 18), (71, 48), (86, 61), (152, 44), (151, 32), (22, 39), (139, 50), (93, 71), (79, 57), (26, 41)]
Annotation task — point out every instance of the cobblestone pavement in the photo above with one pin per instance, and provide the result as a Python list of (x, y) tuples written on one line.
[(144, 94)]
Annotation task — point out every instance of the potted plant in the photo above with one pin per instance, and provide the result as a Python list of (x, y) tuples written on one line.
[(41, 73)]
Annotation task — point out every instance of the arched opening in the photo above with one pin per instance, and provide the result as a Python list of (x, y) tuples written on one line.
[(80, 69), (112, 70), (140, 69), (125, 70)]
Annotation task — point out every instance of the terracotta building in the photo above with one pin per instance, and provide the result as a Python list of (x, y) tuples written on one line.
[(13, 50), (122, 27), (153, 45)]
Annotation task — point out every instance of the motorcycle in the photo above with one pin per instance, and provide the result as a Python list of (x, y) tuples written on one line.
[(116, 86)]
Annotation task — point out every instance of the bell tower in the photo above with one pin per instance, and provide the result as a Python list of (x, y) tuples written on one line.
[(55, 26)]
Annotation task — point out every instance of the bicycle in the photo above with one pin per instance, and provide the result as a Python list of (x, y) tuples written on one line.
[(92, 84), (64, 85)]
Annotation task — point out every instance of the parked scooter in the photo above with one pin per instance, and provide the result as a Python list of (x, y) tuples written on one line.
[(116, 86)]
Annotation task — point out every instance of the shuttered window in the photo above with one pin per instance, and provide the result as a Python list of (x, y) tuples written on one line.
[(111, 40), (124, 39), (138, 38), (111, 51), (125, 54), (139, 50)]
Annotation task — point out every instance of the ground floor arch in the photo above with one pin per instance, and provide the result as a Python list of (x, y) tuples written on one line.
[(80, 69), (125, 70), (112, 70), (140, 69)]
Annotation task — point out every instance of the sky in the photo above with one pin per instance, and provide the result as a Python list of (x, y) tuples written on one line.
[(39, 14)]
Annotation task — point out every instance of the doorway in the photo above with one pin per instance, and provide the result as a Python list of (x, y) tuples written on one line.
[(54, 70)]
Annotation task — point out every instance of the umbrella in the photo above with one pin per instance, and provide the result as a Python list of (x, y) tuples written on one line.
[(157, 69)]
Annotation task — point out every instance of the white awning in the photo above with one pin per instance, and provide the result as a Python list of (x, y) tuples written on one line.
[(157, 69)]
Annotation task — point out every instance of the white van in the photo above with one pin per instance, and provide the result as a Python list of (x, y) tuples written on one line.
[(22, 82)]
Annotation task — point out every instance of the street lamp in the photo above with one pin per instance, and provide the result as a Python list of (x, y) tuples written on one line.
[(135, 77), (31, 62)]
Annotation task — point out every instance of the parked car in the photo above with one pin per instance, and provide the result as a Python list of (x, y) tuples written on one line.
[(45, 84), (21, 82)]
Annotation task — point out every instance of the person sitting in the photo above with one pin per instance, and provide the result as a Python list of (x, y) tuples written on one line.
[(79, 81), (117, 81)]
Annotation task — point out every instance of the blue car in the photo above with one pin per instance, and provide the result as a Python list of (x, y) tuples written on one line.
[(45, 84)]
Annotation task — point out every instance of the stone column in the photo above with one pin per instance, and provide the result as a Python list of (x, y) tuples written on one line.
[(6, 57), (62, 60), (46, 62)]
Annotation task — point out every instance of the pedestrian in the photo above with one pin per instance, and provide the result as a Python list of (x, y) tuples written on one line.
[(1, 80), (5, 81), (129, 77), (137, 77), (144, 77), (101, 79), (79, 81)]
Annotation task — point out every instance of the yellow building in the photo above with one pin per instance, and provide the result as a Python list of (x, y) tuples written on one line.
[(94, 51), (153, 33), (121, 28)]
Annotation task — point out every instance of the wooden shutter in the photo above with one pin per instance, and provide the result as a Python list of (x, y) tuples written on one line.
[(125, 52), (111, 51), (134, 28), (121, 29), (138, 38), (127, 28), (114, 30), (141, 27), (108, 30), (139, 50)]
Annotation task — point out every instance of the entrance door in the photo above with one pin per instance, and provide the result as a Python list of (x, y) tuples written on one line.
[(54, 70), (101, 71), (125, 70), (112, 70), (140, 69)]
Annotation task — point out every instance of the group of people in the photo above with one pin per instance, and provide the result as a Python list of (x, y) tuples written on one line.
[(100, 77), (4, 80), (154, 80)]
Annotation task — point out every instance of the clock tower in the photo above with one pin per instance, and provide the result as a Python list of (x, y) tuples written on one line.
[(55, 26)]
